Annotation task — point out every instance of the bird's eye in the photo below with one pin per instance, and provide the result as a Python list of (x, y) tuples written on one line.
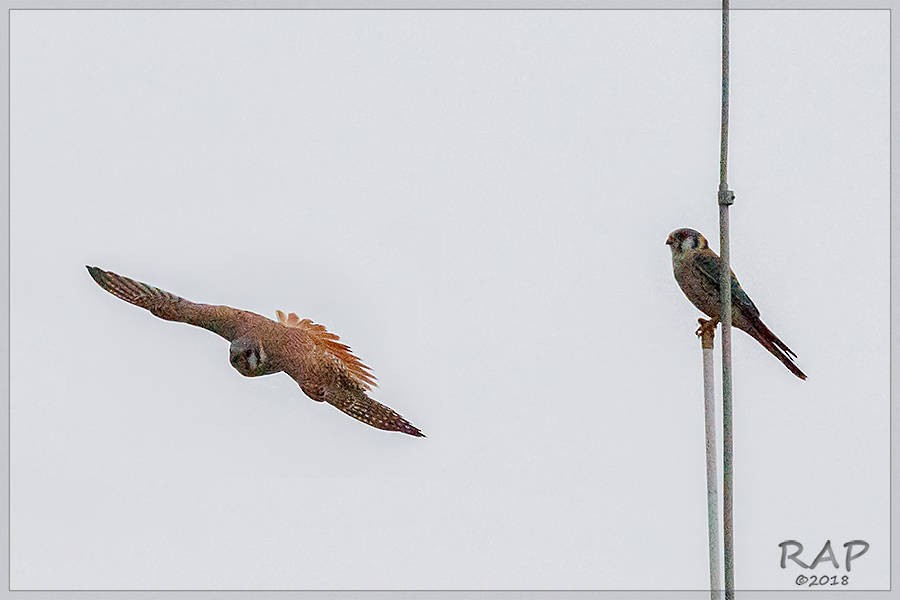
[(248, 353)]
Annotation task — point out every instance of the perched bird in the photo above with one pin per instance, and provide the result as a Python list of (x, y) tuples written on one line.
[(697, 273), (325, 368)]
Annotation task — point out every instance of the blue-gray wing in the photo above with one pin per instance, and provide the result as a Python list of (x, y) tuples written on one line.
[(708, 264)]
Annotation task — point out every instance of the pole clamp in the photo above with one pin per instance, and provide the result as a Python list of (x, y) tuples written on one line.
[(726, 197)]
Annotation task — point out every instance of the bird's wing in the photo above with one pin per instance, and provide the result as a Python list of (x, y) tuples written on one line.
[(223, 320), (327, 371), (351, 398), (329, 343), (708, 265)]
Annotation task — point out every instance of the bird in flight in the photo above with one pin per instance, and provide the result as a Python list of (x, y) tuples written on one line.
[(697, 273), (325, 369)]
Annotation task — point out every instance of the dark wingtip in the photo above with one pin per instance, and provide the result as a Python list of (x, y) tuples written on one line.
[(410, 429), (96, 274)]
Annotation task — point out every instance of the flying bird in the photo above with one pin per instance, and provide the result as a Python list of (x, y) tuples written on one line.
[(697, 273), (325, 369)]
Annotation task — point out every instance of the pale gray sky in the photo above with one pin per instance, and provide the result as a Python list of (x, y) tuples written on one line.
[(477, 202)]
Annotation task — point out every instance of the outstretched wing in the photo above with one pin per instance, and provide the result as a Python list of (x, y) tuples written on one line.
[(223, 320), (329, 342), (350, 398), (708, 265)]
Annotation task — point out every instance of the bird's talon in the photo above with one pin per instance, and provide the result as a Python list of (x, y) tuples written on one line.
[(705, 325)]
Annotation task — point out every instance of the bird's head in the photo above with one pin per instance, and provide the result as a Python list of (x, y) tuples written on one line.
[(248, 357), (684, 240)]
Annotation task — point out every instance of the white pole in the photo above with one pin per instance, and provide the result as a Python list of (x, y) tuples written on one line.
[(712, 492)]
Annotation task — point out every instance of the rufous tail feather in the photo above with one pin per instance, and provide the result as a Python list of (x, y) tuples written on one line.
[(779, 349)]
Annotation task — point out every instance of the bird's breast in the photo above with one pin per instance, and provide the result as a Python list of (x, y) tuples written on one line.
[(703, 293)]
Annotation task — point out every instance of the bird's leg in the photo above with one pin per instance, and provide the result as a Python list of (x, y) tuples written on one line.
[(705, 325)]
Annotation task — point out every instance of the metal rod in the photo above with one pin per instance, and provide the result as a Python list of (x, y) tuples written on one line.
[(712, 492), (727, 421), (726, 198), (723, 145)]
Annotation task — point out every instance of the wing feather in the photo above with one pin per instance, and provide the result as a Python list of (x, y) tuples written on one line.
[(225, 321), (708, 265), (353, 400)]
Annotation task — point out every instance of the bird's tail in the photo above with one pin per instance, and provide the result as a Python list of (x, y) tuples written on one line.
[(779, 349)]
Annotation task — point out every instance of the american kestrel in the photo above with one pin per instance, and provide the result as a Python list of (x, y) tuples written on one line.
[(324, 367), (697, 273)]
